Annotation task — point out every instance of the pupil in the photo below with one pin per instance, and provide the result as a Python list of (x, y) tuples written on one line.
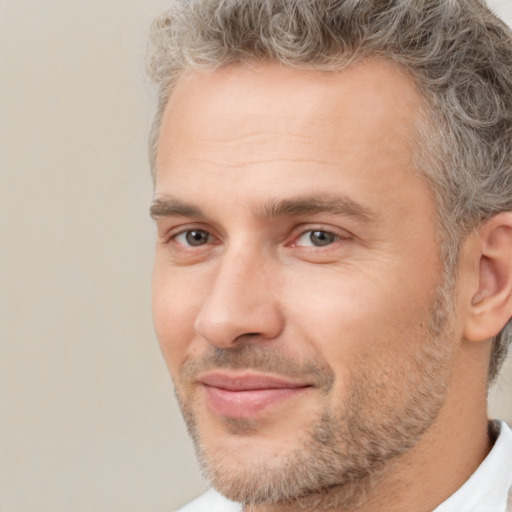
[(321, 238), (196, 238)]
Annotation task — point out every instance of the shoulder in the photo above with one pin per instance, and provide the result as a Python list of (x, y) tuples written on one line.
[(211, 501)]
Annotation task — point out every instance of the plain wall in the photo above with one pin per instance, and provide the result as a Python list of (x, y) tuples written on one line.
[(88, 420)]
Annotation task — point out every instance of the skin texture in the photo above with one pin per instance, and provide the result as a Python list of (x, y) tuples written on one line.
[(391, 415)]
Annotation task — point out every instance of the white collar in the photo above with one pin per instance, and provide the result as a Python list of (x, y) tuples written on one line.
[(488, 488)]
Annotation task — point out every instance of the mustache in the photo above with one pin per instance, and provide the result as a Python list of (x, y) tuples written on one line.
[(262, 359)]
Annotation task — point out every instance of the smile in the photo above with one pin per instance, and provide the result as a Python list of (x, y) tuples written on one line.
[(243, 396)]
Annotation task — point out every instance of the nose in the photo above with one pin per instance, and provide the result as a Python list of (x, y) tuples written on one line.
[(241, 304)]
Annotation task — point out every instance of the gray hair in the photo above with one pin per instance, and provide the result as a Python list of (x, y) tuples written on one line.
[(458, 52)]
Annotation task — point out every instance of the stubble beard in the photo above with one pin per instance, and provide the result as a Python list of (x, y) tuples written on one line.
[(346, 448)]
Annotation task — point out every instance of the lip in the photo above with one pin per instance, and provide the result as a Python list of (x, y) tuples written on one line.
[(245, 395)]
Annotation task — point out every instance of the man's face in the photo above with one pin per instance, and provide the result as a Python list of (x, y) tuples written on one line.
[(297, 274)]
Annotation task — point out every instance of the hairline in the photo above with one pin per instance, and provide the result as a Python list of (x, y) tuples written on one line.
[(445, 75)]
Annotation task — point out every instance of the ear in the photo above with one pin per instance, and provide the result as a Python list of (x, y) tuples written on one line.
[(491, 301)]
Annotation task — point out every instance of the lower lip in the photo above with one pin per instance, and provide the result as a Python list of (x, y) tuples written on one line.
[(244, 404)]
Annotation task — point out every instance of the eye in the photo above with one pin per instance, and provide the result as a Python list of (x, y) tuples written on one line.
[(193, 238), (316, 238)]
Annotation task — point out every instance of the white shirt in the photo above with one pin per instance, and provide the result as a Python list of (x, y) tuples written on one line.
[(487, 490)]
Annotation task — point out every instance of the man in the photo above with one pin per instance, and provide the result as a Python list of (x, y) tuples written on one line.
[(333, 271)]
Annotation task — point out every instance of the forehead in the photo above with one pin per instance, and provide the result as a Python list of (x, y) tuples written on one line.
[(373, 93), (288, 123)]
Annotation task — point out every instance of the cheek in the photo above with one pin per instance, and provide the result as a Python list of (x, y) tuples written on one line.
[(345, 315), (369, 340), (174, 314)]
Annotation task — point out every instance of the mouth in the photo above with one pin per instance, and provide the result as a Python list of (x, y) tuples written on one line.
[(247, 394)]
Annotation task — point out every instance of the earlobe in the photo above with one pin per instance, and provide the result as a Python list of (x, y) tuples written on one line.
[(491, 303)]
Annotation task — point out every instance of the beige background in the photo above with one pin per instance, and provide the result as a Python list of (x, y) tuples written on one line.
[(88, 420)]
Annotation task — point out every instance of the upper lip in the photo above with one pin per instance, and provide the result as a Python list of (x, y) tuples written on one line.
[(247, 381)]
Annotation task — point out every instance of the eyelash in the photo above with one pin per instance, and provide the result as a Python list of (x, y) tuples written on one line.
[(190, 231), (331, 234)]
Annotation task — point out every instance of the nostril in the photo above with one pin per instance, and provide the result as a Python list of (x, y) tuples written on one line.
[(227, 319), (248, 335)]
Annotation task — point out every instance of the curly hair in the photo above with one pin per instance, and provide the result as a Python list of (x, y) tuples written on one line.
[(457, 51)]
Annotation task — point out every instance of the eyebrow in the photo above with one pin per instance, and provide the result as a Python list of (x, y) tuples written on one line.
[(170, 207), (315, 204), (274, 208)]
